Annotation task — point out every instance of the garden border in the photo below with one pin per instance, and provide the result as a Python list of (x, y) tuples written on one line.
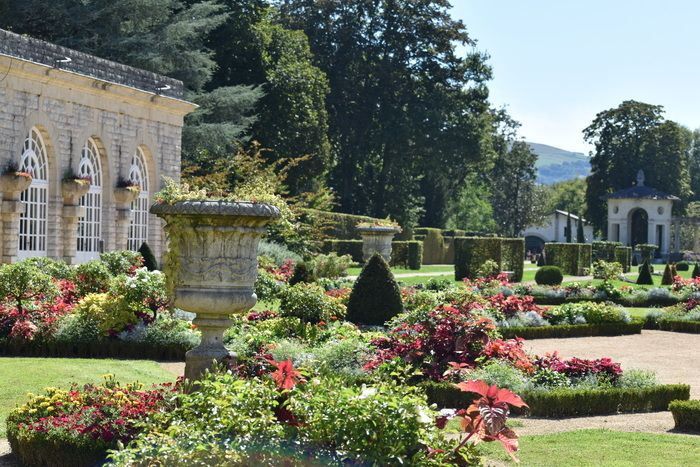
[(573, 330), (562, 403), (100, 349)]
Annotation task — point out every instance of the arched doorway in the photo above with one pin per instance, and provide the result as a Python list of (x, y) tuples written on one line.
[(639, 227), (534, 244)]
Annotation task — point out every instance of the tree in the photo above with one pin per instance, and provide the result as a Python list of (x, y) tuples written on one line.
[(409, 115), (630, 137), (569, 233), (580, 237), (694, 165), (252, 48), (471, 210), (515, 198), (164, 36), (569, 196)]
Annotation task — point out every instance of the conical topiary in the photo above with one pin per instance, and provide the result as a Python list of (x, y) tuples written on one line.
[(540, 260), (634, 260), (667, 278), (645, 274), (696, 271), (375, 297), (580, 237), (301, 274), (149, 259)]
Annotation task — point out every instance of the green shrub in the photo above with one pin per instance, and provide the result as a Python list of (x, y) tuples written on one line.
[(302, 273), (501, 374), (344, 247), (375, 297), (549, 275), (644, 277), (92, 277), (330, 266), (686, 414), (149, 259), (623, 255), (667, 278), (266, 286), (571, 258), (52, 267), (637, 379), (592, 312), (696, 271), (121, 262), (22, 282), (343, 358), (277, 252), (488, 269), (683, 266), (309, 303), (606, 271), (340, 225)]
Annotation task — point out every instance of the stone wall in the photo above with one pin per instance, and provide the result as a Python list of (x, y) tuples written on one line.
[(68, 107)]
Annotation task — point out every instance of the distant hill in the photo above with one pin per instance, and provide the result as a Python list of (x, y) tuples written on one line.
[(556, 165)]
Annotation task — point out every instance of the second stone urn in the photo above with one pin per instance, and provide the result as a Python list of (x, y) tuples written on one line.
[(212, 265), (377, 239)]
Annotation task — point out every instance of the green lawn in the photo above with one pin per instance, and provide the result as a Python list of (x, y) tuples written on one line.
[(602, 448), (355, 271), (18, 376)]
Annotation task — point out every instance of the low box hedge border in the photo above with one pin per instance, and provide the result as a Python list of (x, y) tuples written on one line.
[(656, 302), (692, 327), (100, 349), (686, 414), (42, 452), (573, 330), (562, 403)]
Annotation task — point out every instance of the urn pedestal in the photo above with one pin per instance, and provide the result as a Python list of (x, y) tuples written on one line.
[(123, 197), (377, 239), (11, 208), (212, 265), (71, 191)]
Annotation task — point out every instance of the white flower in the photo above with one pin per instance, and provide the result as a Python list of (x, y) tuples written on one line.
[(424, 415), (367, 392)]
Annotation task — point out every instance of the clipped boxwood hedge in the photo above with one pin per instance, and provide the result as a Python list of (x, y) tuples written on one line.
[(561, 403), (623, 255), (407, 254), (99, 349), (472, 252), (571, 258), (686, 414), (433, 244), (573, 330), (339, 225), (604, 250), (692, 327), (42, 452)]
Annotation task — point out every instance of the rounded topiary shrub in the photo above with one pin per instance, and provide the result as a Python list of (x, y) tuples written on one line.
[(376, 297), (683, 266), (549, 275)]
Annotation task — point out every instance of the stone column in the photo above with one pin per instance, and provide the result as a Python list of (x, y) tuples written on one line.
[(123, 197), (11, 208), (72, 190)]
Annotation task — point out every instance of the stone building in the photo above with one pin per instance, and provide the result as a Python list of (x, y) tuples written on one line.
[(641, 214), (85, 129), (553, 229)]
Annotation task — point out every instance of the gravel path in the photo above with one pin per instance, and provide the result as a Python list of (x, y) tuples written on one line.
[(655, 422), (6, 458), (674, 356)]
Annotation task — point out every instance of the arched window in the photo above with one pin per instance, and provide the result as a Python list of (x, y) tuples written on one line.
[(32, 225), (138, 175), (89, 227)]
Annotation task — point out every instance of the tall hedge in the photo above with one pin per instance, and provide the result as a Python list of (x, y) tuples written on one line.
[(472, 252), (571, 258), (604, 250), (407, 254), (513, 256), (433, 244), (344, 247), (623, 255), (338, 225), (375, 297)]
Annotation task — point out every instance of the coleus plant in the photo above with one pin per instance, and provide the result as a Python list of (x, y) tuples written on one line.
[(485, 419)]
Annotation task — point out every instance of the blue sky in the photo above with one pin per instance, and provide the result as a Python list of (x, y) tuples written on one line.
[(557, 63)]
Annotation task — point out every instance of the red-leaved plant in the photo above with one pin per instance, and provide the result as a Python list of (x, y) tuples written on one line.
[(485, 419)]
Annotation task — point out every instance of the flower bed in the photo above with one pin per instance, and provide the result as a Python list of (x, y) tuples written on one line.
[(110, 307), (78, 426)]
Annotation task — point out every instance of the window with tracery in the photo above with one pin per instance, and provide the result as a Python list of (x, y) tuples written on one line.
[(138, 175), (90, 226)]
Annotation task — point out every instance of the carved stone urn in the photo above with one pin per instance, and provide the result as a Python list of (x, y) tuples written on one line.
[(212, 266), (11, 207), (71, 191), (377, 239)]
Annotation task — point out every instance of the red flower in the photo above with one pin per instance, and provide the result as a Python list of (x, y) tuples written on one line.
[(285, 376)]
